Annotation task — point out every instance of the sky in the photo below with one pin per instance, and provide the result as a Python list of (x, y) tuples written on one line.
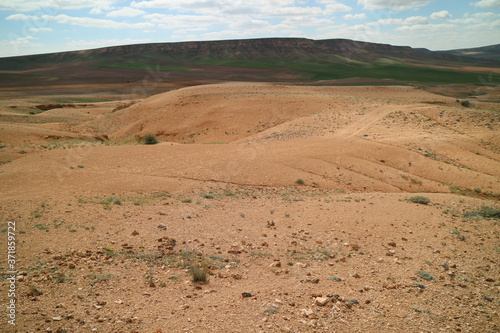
[(34, 27)]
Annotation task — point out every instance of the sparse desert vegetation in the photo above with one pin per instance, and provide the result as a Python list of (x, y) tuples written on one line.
[(150, 139), (327, 209), (420, 200)]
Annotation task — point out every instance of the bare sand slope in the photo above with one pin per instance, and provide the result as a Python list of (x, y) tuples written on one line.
[(227, 112), (330, 163), (385, 139)]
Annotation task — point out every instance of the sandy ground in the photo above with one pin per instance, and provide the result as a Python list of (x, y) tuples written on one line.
[(305, 207)]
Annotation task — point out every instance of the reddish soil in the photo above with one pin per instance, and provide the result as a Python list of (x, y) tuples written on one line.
[(310, 209)]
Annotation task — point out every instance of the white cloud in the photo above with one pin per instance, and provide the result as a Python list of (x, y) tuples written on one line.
[(19, 46), (31, 5), (355, 16), (19, 17), (408, 21), (185, 21), (336, 7), (94, 23), (298, 21), (88, 44), (126, 11), (96, 11), (442, 15), (489, 4), (255, 8), (426, 27), (487, 26), (295, 11), (416, 20), (173, 4), (393, 4), (250, 24), (468, 20), (23, 40), (486, 15), (39, 29)]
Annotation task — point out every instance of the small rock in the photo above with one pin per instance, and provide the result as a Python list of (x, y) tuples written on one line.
[(355, 247), (307, 312), (321, 301), (246, 294), (312, 322), (334, 278), (162, 226), (135, 233), (58, 318)]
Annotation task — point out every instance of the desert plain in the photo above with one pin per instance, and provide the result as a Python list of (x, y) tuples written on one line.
[(264, 207)]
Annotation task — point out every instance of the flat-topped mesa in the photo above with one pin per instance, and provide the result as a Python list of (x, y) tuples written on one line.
[(258, 48)]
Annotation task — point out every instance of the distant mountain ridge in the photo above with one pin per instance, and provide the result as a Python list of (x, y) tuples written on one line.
[(259, 48), (262, 59), (491, 52)]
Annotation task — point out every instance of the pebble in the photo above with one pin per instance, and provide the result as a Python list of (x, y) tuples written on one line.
[(321, 301), (307, 312)]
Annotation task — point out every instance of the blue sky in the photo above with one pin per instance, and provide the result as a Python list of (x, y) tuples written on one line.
[(33, 26)]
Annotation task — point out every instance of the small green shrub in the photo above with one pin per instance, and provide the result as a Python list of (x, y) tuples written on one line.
[(300, 181), (420, 200), (465, 103), (486, 212), (150, 139), (199, 273), (41, 226), (93, 279), (34, 291), (425, 275), (419, 285)]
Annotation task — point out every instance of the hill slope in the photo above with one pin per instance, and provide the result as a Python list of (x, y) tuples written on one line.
[(491, 52), (269, 59)]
